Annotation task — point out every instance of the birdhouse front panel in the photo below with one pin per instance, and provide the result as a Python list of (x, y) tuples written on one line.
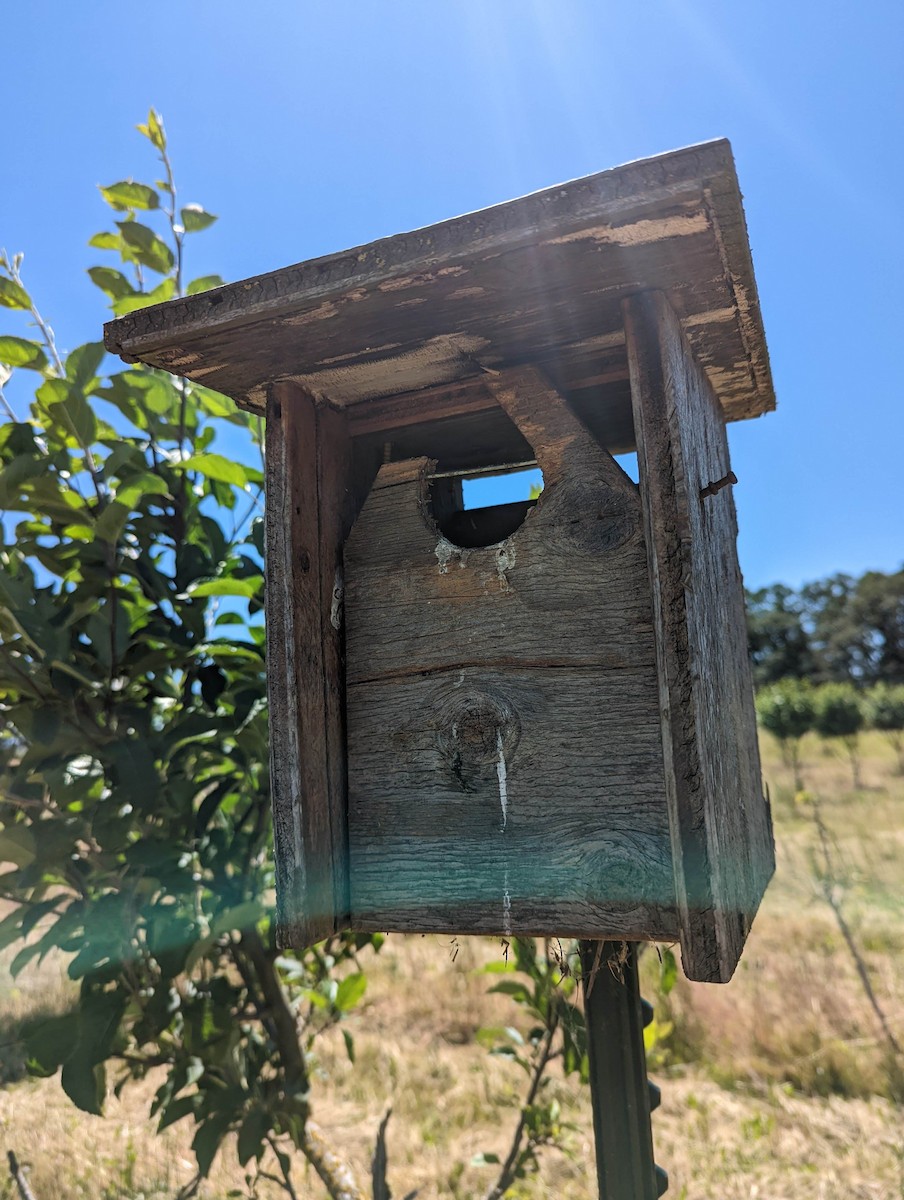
[(504, 748)]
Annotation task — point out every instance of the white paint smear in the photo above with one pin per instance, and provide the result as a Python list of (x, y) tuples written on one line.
[(506, 909), (503, 783)]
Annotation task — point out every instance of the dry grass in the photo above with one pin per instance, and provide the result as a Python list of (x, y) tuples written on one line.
[(775, 1086)]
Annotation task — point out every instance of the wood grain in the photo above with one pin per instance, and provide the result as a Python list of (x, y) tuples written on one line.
[(721, 829), (309, 508), (505, 757), (538, 279)]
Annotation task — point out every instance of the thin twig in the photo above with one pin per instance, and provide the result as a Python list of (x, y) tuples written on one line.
[(284, 1170), (6, 404), (60, 371), (507, 1172), (15, 1170), (828, 882)]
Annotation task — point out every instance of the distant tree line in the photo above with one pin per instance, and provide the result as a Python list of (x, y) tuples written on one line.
[(830, 658), (837, 630)]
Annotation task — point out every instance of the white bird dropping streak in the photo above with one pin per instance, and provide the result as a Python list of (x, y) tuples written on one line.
[(503, 804), (501, 775)]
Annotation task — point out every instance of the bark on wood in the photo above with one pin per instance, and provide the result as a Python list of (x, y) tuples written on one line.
[(721, 831), (505, 761), (309, 500)]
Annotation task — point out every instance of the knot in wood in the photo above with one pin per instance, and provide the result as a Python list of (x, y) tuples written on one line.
[(591, 519), (473, 731)]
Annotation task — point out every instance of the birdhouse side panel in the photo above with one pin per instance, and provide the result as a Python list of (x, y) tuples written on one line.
[(722, 840)]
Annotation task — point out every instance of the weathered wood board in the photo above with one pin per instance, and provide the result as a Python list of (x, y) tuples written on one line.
[(721, 828), (505, 756), (309, 510), (539, 279)]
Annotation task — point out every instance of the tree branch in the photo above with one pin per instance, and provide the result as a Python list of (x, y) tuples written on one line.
[(828, 882), (507, 1173)]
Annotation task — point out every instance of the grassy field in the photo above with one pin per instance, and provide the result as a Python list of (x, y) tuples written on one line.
[(779, 1085)]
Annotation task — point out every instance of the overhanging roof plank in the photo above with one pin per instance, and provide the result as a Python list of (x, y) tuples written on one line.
[(539, 279)]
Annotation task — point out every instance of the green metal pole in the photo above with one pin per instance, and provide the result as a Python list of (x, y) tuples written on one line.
[(621, 1095)]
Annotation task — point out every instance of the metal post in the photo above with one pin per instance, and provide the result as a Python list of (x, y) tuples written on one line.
[(621, 1095)]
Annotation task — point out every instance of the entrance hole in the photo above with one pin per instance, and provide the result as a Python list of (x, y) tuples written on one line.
[(481, 508)]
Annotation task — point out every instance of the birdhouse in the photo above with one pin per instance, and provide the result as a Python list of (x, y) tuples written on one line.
[(534, 718)]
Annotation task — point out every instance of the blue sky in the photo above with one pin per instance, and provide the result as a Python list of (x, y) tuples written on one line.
[(311, 126)]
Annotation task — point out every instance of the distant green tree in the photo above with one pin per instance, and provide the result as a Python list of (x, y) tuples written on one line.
[(779, 643), (840, 714), (877, 610), (839, 629), (885, 711), (787, 710), (837, 641)]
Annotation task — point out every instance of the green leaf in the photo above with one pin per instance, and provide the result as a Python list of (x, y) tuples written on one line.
[(49, 1043), (242, 916), (154, 130), (85, 1083), (23, 958), (164, 291), (112, 521), (207, 1140), (139, 486), (498, 967), (213, 403), (136, 770), (127, 194), (349, 1046), (106, 241), (511, 987), (111, 281), (254, 1129), (17, 845), (668, 972), (144, 246), (489, 1036), (215, 466), (194, 218), (485, 1160), (350, 991), (99, 1017), (82, 363), (184, 1106), (249, 588), (10, 928), (656, 1032), (21, 352), (203, 284), (66, 405), (13, 295)]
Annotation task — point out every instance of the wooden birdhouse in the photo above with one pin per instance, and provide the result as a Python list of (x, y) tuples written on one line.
[(533, 718)]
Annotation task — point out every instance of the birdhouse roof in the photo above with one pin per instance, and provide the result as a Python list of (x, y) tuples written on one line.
[(538, 280)]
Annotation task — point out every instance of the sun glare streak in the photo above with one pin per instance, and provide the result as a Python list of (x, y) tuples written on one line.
[(535, 55), (758, 99)]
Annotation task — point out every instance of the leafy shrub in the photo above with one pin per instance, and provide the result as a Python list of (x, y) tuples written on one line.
[(885, 709), (787, 710), (134, 808), (840, 714)]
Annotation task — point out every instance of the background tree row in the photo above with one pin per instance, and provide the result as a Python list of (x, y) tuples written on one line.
[(840, 629)]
